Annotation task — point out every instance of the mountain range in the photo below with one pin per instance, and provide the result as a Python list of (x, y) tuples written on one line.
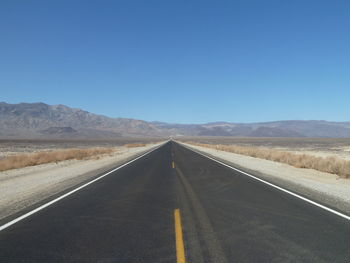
[(39, 120)]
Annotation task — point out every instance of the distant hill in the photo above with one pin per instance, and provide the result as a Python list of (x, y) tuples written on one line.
[(265, 129), (39, 120), (59, 131)]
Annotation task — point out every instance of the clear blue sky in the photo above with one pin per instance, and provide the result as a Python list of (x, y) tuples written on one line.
[(180, 61)]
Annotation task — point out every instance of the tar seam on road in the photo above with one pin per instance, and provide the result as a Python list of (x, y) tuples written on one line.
[(274, 186), (180, 249), (14, 221)]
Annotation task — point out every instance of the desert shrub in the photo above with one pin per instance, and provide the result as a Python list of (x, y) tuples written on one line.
[(131, 145), (23, 160), (331, 165)]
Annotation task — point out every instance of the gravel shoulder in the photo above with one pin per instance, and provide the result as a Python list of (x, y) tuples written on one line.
[(25, 187), (325, 188)]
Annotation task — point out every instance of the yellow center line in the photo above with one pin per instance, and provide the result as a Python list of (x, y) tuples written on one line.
[(180, 250), (173, 164)]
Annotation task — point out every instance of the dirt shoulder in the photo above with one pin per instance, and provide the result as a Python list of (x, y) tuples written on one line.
[(24, 187), (323, 187)]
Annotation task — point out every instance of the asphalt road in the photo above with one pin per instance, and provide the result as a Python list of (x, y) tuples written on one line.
[(128, 216)]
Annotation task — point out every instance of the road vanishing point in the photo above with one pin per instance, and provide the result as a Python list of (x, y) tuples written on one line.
[(175, 205)]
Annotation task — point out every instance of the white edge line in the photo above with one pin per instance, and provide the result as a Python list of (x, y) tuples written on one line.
[(273, 185), (14, 221)]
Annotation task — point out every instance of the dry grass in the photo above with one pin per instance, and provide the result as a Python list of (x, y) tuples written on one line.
[(131, 145), (331, 165), (23, 160)]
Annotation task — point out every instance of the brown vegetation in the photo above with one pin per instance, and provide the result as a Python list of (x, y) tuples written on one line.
[(23, 160), (131, 145), (329, 164)]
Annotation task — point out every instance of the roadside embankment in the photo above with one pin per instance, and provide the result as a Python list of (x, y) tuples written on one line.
[(24, 187), (325, 188)]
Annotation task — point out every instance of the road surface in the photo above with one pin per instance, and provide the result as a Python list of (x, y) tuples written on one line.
[(174, 205)]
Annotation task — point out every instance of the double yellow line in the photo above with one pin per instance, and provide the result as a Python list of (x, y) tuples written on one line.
[(180, 249)]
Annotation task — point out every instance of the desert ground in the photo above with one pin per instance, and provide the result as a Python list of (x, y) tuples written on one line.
[(320, 147), (15, 147)]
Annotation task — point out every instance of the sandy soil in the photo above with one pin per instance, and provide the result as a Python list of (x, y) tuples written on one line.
[(323, 187), (15, 147), (320, 147), (340, 152), (22, 188)]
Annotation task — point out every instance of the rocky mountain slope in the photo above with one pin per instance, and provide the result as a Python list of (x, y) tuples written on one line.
[(39, 120)]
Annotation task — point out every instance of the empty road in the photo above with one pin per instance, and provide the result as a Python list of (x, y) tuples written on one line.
[(174, 205)]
